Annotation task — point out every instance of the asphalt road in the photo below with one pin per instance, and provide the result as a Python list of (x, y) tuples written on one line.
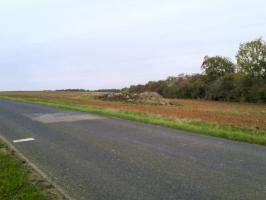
[(93, 157)]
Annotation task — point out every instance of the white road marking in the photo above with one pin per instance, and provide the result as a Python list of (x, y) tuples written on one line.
[(23, 140)]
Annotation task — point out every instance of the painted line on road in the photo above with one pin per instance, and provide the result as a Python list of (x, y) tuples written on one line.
[(23, 140)]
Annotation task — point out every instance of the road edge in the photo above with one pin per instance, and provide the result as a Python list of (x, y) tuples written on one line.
[(59, 191)]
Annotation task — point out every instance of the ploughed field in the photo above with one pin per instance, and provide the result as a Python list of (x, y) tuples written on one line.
[(240, 115)]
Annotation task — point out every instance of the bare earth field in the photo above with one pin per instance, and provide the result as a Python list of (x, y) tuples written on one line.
[(240, 115)]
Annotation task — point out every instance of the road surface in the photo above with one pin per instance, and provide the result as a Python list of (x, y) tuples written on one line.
[(94, 157)]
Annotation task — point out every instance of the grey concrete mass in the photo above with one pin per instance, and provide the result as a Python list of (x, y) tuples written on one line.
[(94, 157)]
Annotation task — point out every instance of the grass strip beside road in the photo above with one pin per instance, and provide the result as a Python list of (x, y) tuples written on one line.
[(15, 182), (227, 132)]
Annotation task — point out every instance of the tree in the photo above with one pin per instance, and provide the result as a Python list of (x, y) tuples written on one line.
[(251, 58), (215, 67), (220, 80), (136, 88), (224, 89), (152, 86)]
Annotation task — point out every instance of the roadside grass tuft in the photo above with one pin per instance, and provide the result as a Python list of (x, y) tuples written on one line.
[(15, 183), (211, 129)]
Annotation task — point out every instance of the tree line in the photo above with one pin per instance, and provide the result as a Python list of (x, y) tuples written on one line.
[(221, 79)]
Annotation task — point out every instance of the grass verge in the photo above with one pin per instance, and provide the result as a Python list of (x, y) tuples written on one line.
[(227, 132), (16, 181)]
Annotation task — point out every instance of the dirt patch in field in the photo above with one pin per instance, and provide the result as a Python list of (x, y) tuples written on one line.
[(145, 97)]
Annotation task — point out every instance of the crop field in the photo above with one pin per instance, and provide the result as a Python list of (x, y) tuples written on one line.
[(240, 115)]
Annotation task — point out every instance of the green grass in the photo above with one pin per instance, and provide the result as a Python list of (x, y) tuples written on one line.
[(15, 183), (227, 132)]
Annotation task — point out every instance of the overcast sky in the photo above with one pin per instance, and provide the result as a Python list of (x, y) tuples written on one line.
[(55, 44)]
